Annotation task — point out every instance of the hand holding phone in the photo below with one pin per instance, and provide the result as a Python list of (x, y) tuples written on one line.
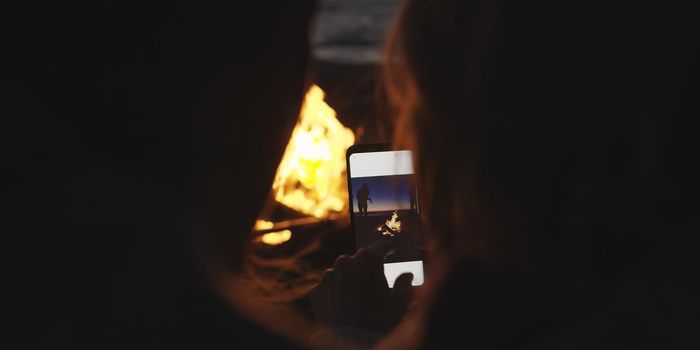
[(355, 293), (372, 289)]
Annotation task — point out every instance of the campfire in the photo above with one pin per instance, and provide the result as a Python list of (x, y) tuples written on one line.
[(391, 227), (311, 177)]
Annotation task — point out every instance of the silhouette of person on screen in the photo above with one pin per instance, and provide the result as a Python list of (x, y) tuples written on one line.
[(362, 198), (413, 201)]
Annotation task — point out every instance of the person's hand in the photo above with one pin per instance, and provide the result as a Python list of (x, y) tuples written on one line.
[(355, 292)]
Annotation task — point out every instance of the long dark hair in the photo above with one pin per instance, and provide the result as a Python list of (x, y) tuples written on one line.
[(558, 128)]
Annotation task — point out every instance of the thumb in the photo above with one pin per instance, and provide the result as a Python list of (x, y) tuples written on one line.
[(402, 291)]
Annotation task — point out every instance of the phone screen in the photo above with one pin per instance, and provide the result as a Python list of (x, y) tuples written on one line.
[(384, 206)]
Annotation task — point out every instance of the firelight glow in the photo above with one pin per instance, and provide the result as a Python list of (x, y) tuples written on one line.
[(311, 175), (263, 225), (276, 238)]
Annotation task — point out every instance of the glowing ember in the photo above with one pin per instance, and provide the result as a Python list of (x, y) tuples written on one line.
[(391, 227), (311, 175), (276, 238), (263, 225)]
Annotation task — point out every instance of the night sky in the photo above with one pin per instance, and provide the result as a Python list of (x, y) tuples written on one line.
[(387, 192)]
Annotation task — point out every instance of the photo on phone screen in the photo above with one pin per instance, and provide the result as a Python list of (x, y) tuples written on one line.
[(384, 207)]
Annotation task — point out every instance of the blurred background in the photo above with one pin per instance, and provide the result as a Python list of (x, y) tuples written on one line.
[(304, 224), (347, 40), (352, 31)]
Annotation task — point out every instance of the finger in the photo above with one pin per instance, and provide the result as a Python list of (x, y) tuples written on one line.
[(403, 283), (321, 298), (342, 263), (379, 249), (339, 258), (371, 259), (321, 288), (326, 278), (316, 298), (403, 291), (374, 252), (317, 303)]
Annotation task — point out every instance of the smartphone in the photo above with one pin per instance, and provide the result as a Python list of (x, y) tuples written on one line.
[(384, 206)]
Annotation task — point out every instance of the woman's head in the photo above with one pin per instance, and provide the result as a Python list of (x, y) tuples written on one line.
[(539, 129)]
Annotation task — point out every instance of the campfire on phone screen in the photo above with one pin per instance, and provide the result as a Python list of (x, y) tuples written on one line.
[(391, 227)]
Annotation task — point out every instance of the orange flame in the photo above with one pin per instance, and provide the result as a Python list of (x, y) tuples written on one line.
[(394, 224), (391, 226), (311, 175), (276, 238)]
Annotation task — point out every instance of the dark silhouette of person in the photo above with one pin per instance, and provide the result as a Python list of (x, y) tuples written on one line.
[(124, 130), (363, 196), (531, 124), (554, 143), (414, 202)]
